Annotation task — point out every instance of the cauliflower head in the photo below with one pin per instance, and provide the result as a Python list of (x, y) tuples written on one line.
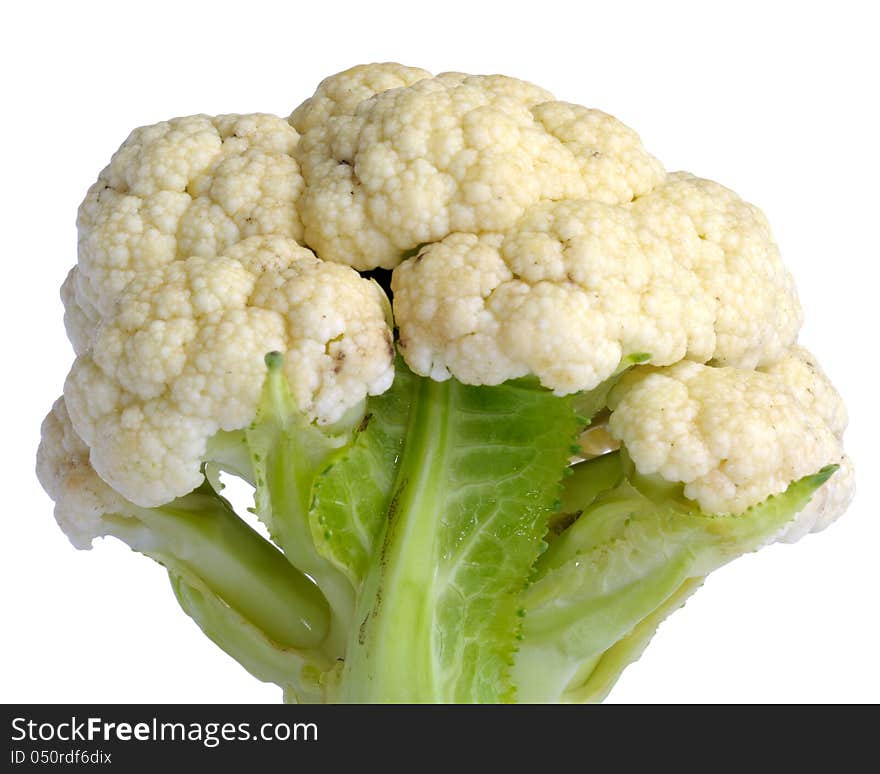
[(394, 313)]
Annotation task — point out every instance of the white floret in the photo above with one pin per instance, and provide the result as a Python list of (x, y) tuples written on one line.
[(340, 94), (181, 356), (686, 271), (80, 319), (453, 153), (189, 186), (726, 242), (81, 497), (828, 504), (808, 382), (527, 236), (732, 436), (805, 378)]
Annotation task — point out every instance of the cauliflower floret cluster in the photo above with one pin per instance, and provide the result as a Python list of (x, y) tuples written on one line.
[(244, 286), (527, 236), (188, 186), (455, 153), (708, 428), (82, 498), (189, 272), (181, 356), (688, 270)]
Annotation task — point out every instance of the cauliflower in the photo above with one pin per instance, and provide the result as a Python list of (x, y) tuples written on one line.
[(571, 288), (181, 356), (505, 388), (707, 428)]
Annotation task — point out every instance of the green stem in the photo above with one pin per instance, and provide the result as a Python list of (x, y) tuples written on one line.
[(290, 491), (298, 672), (629, 560), (550, 660), (199, 536), (588, 479), (288, 452), (477, 478), (390, 657)]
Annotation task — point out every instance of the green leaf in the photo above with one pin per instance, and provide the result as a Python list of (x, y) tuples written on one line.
[(606, 579), (476, 483), (628, 649), (413, 251), (352, 496)]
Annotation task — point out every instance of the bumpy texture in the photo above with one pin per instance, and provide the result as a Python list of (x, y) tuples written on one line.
[(688, 270), (813, 390), (551, 242), (181, 356), (184, 187), (527, 236), (455, 153), (81, 497), (735, 436), (340, 94)]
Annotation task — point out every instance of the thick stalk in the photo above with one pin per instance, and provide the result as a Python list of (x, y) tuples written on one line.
[(478, 475), (288, 453), (290, 492), (391, 655), (628, 561), (298, 672), (199, 536)]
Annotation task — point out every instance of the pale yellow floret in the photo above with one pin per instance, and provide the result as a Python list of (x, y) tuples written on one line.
[(81, 496), (184, 187), (827, 505), (80, 319), (549, 242), (574, 286), (453, 153), (181, 356), (340, 94), (732, 436), (805, 378), (757, 313)]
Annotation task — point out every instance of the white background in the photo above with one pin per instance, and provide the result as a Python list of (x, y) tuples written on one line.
[(776, 100)]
